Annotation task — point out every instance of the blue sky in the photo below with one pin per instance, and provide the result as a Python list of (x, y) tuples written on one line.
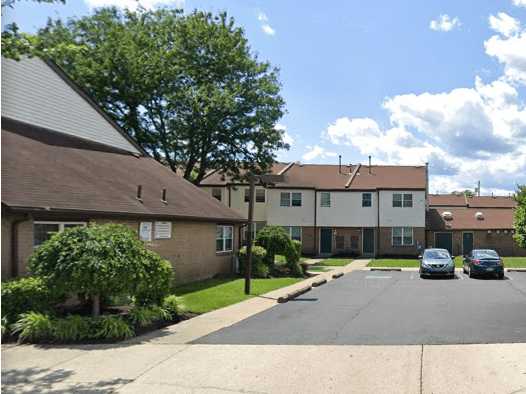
[(405, 81)]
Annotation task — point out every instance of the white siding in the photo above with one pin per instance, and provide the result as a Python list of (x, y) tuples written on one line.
[(238, 204), (411, 217), (33, 93), (346, 211), (290, 216)]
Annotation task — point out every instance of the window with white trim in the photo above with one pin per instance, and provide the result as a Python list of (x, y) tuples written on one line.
[(224, 238), (402, 236), (402, 200), (293, 199), (256, 228), (294, 232), (260, 195), (367, 199), (325, 199), (44, 230)]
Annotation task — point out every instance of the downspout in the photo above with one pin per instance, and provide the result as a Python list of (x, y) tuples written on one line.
[(316, 251), (377, 240), (14, 245), (229, 197)]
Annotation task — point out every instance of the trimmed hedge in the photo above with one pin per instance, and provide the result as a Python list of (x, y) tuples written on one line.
[(259, 267), (27, 294)]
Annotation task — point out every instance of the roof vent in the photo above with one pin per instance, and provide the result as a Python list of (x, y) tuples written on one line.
[(447, 215), (479, 216)]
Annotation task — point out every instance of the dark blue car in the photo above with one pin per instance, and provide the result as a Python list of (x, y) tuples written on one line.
[(483, 262)]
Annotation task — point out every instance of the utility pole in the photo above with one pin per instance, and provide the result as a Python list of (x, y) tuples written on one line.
[(248, 268)]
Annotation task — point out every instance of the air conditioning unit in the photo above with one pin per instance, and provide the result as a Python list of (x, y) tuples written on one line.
[(479, 216), (447, 215)]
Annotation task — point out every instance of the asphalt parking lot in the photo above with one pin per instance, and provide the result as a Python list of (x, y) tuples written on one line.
[(391, 308)]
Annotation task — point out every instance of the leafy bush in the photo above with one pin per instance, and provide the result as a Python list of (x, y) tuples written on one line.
[(33, 327), (27, 294), (72, 328), (145, 316), (5, 326), (113, 327), (102, 261), (259, 267), (277, 241), (171, 305), (519, 219)]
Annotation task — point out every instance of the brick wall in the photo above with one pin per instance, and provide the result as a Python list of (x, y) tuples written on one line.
[(308, 241), (387, 249), (191, 250)]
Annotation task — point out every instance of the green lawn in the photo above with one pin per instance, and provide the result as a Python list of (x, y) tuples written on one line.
[(280, 259), (515, 262), (210, 294), (335, 262), (318, 268)]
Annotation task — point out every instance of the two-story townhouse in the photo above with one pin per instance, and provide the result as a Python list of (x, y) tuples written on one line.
[(367, 210)]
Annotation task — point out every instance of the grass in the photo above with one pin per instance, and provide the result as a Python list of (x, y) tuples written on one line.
[(280, 259), (334, 262), (515, 262), (318, 268), (208, 295)]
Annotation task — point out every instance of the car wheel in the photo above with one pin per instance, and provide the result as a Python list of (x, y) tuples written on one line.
[(500, 276)]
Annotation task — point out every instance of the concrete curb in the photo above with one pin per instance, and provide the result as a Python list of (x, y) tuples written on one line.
[(294, 294), (386, 269), (319, 282), (515, 269), (337, 275)]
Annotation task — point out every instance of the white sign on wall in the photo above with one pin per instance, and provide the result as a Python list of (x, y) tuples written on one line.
[(145, 231), (163, 230)]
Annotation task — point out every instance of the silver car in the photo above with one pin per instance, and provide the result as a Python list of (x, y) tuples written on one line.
[(437, 262)]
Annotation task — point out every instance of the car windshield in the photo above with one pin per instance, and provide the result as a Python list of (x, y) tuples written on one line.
[(436, 254), (485, 254)]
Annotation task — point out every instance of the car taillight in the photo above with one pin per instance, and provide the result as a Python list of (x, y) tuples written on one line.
[(475, 261)]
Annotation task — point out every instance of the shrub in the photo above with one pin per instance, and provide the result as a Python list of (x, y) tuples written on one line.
[(259, 267), (113, 327), (171, 305), (33, 327), (5, 326), (27, 294), (276, 241), (72, 328), (102, 261)]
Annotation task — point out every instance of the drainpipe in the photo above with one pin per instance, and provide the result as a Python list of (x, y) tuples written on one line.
[(14, 245), (316, 251), (229, 197), (377, 240)]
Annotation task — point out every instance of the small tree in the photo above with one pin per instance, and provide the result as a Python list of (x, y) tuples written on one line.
[(519, 221), (275, 240), (102, 260)]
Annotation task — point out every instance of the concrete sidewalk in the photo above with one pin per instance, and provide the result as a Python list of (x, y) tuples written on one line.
[(265, 369)]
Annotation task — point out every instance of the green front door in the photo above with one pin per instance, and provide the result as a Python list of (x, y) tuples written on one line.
[(368, 241), (444, 241), (467, 243), (326, 241)]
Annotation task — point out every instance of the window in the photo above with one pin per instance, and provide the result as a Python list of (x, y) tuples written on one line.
[(340, 242), (296, 199), (216, 193), (284, 200), (247, 194), (294, 232), (367, 199), (260, 195), (42, 231), (224, 236), (290, 199), (325, 199), (402, 236), (402, 200), (256, 227)]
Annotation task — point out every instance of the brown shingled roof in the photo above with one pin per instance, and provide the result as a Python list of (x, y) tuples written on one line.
[(51, 171), (464, 219), (459, 200), (328, 176), (218, 178), (447, 200)]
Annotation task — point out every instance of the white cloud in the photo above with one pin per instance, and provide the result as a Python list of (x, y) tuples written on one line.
[(444, 23), (511, 52), (287, 138), (134, 4), (265, 26), (317, 151), (504, 24), (519, 3)]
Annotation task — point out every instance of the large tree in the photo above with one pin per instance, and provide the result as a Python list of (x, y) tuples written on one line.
[(187, 87), (519, 221)]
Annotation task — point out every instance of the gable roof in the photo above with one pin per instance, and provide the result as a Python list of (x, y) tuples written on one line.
[(459, 200), (48, 171), (464, 219), (39, 93), (329, 177)]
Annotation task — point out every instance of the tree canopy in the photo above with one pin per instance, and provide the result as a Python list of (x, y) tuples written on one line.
[(519, 221), (188, 88)]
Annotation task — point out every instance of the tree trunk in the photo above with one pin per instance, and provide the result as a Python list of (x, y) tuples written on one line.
[(95, 306)]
